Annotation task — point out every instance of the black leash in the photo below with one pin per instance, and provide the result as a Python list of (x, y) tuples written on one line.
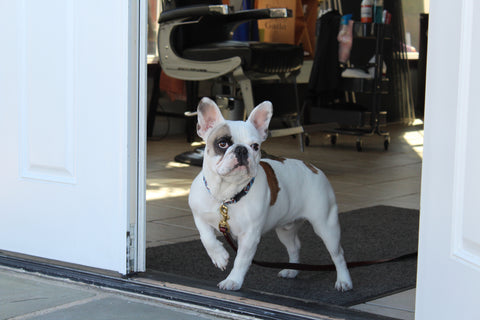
[(315, 267)]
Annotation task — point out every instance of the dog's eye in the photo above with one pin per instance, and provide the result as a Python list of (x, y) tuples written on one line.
[(255, 146), (223, 144)]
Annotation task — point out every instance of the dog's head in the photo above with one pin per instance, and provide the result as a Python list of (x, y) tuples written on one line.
[(232, 147)]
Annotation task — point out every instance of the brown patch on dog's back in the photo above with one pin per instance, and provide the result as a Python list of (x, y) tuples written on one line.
[(272, 181), (311, 167)]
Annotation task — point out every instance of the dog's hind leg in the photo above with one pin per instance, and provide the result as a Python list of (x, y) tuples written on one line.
[(289, 237), (329, 231)]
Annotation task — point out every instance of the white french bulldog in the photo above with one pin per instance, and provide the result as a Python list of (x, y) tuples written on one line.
[(260, 195)]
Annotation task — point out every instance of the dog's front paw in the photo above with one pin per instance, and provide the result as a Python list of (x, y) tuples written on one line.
[(229, 284), (219, 257), (343, 285), (288, 273)]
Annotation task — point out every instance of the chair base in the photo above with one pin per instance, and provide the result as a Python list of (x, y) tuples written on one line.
[(194, 158)]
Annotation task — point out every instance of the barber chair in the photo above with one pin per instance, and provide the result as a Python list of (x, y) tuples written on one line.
[(195, 43)]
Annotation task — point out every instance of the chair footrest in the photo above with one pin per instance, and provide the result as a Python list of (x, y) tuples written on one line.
[(286, 132)]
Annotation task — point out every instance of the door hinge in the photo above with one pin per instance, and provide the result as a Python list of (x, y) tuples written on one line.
[(131, 249)]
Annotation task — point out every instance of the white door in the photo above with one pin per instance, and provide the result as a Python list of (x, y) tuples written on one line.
[(449, 248), (69, 81)]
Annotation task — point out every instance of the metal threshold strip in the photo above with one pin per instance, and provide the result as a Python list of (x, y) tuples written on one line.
[(179, 293)]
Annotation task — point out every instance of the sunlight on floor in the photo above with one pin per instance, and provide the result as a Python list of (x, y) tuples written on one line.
[(165, 192), (415, 139), (173, 164), (158, 189), (164, 188)]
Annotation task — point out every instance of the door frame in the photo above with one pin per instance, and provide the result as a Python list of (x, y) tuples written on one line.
[(138, 216)]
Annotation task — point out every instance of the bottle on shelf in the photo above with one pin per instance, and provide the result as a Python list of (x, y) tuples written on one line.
[(378, 11), (366, 11), (345, 38)]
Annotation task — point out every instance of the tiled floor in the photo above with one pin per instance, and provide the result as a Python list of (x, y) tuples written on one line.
[(360, 179)]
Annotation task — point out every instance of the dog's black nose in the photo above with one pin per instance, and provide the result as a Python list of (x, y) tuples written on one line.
[(241, 153)]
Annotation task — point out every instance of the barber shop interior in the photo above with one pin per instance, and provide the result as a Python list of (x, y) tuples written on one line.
[(346, 82)]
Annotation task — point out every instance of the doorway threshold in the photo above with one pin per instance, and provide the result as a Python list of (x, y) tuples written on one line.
[(275, 306)]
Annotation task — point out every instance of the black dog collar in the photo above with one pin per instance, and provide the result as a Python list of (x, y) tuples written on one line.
[(238, 196)]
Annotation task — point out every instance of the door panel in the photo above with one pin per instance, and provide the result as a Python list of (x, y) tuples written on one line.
[(46, 49), (466, 221), (68, 88)]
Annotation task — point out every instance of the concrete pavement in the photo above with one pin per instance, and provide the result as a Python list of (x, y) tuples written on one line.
[(25, 295)]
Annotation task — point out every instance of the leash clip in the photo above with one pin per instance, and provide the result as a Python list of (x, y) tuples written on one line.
[(223, 225)]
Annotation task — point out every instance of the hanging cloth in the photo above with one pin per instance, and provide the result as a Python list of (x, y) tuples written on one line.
[(325, 76)]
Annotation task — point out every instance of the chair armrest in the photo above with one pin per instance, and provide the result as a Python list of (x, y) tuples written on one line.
[(194, 12), (258, 14), (223, 12)]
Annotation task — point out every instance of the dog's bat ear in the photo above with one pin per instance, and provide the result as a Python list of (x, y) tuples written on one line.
[(260, 118), (209, 115)]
